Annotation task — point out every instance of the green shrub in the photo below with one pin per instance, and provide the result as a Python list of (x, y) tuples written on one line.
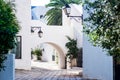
[(37, 52), (72, 48), (8, 29)]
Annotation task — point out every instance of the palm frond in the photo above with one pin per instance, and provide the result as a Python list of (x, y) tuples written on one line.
[(54, 15)]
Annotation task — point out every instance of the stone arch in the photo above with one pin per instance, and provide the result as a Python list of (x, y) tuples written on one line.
[(61, 54)]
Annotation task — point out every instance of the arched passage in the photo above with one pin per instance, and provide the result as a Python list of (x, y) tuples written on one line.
[(61, 54), (48, 52)]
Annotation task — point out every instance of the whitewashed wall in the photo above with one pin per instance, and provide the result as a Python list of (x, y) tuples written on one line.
[(76, 23), (51, 34), (96, 64), (9, 73), (47, 53), (54, 34), (23, 13)]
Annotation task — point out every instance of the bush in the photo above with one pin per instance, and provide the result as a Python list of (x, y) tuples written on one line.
[(37, 52), (8, 29), (72, 48)]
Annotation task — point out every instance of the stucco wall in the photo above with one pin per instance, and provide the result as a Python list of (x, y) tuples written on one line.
[(23, 14), (91, 55), (76, 23), (96, 63), (47, 53), (52, 34)]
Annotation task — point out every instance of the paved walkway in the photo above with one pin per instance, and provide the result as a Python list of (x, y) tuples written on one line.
[(41, 73), (45, 74)]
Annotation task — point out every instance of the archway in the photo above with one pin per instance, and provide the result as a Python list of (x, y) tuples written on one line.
[(47, 53), (61, 54)]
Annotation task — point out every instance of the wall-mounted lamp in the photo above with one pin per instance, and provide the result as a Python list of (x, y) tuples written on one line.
[(67, 11), (40, 33)]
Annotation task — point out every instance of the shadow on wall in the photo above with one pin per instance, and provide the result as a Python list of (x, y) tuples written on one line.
[(79, 58)]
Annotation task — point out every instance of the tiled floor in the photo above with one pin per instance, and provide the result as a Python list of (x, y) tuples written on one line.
[(45, 74), (48, 71)]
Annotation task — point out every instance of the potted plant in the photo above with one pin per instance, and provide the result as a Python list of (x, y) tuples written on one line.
[(72, 52), (37, 52)]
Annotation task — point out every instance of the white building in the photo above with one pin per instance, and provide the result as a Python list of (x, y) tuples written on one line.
[(54, 36), (96, 64)]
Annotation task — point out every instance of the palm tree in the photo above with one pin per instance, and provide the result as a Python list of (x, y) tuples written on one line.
[(54, 15)]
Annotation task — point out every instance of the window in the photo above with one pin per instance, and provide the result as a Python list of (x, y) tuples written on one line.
[(53, 57), (38, 13), (17, 49)]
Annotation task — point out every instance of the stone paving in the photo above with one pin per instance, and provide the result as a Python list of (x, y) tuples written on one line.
[(45, 74), (44, 71)]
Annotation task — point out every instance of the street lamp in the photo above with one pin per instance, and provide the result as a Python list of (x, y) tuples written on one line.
[(67, 11), (40, 33)]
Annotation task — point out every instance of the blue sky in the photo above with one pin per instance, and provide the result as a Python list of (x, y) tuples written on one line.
[(39, 2)]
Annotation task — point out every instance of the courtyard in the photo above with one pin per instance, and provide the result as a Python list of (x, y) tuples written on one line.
[(48, 71), (59, 47)]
